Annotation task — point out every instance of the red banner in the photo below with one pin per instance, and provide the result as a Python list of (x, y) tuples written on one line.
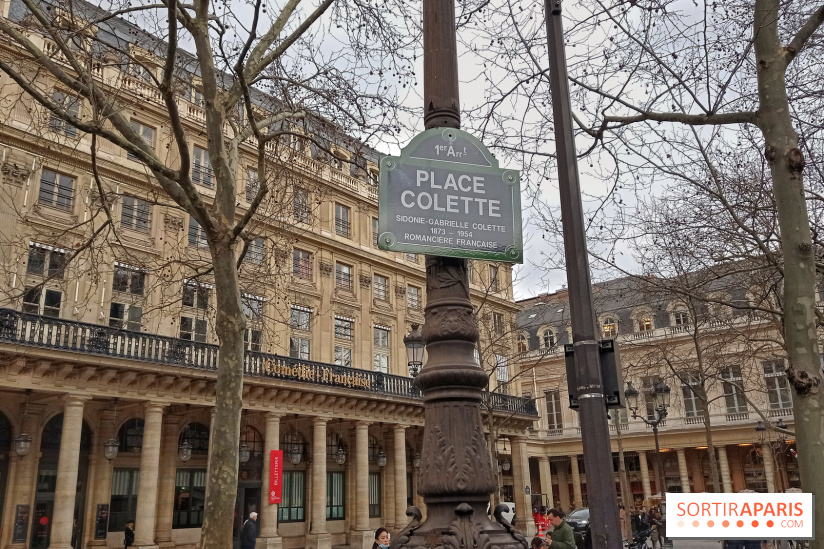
[(275, 476)]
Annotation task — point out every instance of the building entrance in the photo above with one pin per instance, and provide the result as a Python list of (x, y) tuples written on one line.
[(248, 501)]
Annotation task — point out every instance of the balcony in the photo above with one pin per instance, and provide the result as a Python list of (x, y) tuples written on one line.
[(91, 339)]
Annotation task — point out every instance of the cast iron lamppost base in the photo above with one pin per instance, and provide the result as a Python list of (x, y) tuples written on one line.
[(456, 472)]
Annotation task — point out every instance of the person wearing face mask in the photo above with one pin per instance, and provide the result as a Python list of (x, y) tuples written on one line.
[(381, 539)]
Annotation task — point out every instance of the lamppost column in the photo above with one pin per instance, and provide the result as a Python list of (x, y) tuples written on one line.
[(662, 485), (769, 466)]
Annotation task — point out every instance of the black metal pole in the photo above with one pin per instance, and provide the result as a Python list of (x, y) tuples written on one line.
[(661, 477), (603, 502)]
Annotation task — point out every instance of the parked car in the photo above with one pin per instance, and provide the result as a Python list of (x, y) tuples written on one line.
[(579, 520)]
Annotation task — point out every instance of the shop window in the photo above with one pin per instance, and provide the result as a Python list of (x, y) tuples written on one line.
[(293, 502), (335, 495), (374, 494), (190, 498), (123, 503)]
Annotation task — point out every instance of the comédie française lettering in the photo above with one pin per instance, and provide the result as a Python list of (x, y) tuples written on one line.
[(317, 374), (468, 203)]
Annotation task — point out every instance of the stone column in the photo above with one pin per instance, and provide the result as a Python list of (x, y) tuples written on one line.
[(546, 479), (65, 491), (563, 487), (22, 483), (682, 470), (578, 499), (318, 537), (697, 472), (400, 477), (642, 459), (149, 469), (269, 511), (769, 467), (166, 482), (101, 473), (724, 466), (361, 537), (520, 480)]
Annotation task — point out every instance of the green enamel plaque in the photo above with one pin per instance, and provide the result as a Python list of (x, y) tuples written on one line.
[(446, 196)]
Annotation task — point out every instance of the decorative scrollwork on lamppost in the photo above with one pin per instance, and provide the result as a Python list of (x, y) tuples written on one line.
[(661, 401)]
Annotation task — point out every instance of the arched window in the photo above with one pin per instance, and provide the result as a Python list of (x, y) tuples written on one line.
[(374, 449), (53, 432), (548, 338), (252, 438), (333, 442), (130, 435), (523, 345), (610, 327), (680, 318), (197, 435), (292, 438), (5, 433)]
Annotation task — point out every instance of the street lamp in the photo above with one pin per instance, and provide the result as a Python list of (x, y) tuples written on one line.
[(416, 460), (761, 430), (414, 349), (184, 451), (22, 444), (661, 394), (244, 453)]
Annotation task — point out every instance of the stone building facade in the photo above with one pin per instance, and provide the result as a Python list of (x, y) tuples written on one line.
[(119, 345)]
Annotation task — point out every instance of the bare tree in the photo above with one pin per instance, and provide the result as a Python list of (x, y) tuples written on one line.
[(258, 78)]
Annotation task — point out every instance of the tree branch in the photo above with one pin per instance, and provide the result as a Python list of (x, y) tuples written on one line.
[(804, 33)]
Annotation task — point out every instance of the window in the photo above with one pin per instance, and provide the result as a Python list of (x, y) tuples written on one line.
[(413, 297), (692, 404), (645, 324), (335, 495), (190, 498), (412, 258), (197, 236), (778, 389), (523, 345), (302, 264), (498, 323), (648, 390), (293, 503), (343, 276), (56, 190), (193, 329), (375, 232), (343, 356), (548, 339), (681, 318), (733, 393), (380, 361), (300, 205), (374, 494), (197, 435), (342, 226), (252, 185), (144, 132), (381, 284), (344, 327), (502, 372), (197, 97), (125, 316), (299, 348), (195, 296), (123, 503), (252, 306), (373, 177), (252, 340), (254, 254), (201, 167), (130, 435), (40, 257), (135, 214), (71, 106), (128, 280), (554, 412), (47, 303), (610, 328), (301, 318), (493, 278)]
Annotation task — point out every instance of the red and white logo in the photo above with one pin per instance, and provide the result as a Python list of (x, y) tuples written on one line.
[(740, 516)]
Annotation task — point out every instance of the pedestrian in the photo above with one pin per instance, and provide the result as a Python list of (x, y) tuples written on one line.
[(562, 536), (537, 543), (248, 533), (128, 538), (381, 539), (655, 530)]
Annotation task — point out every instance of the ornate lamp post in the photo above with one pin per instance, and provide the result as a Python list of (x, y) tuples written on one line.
[(661, 401), (414, 350)]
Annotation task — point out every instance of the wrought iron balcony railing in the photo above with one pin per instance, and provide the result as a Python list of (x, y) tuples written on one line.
[(80, 337)]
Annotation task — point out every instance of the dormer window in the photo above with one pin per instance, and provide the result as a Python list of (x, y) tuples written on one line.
[(610, 328)]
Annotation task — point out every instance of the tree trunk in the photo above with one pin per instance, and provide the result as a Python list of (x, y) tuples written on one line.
[(230, 323), (786, 167), (716, 477)]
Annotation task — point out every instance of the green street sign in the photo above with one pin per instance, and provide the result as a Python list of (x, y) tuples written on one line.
[(446, 196)]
